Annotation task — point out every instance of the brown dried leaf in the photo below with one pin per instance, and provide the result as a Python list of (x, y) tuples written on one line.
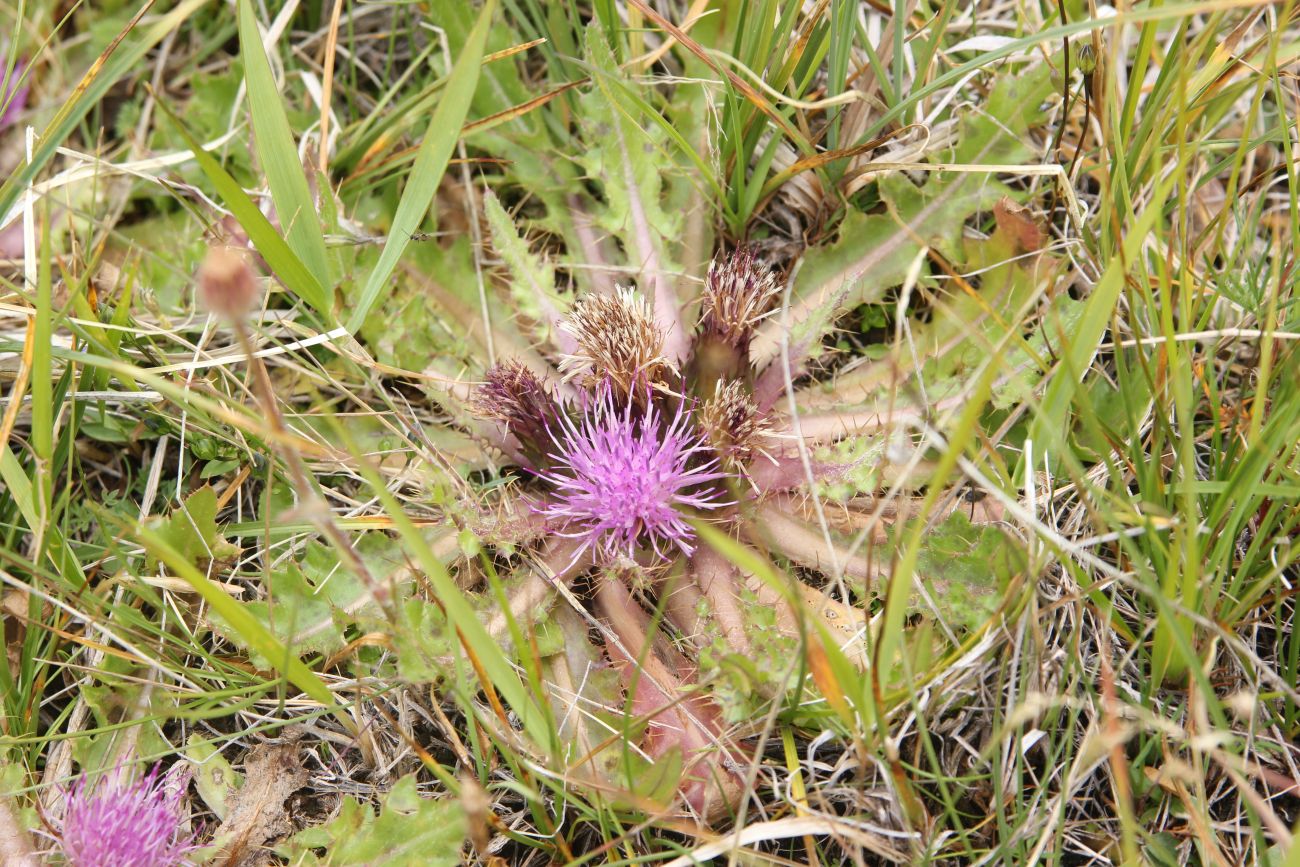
[(272, 772), (15, 846), (13, 624), (1019, 225)]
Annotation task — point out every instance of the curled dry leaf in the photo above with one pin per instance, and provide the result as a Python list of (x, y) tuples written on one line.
[(256, 811), (1019, 224), (15, 846)]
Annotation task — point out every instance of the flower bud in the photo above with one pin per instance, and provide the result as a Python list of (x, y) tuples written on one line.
[(518, 399), (1085, 58), (227, 284)]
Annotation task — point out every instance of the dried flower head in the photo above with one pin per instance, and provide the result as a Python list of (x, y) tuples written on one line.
[(730, 421), (618, 341), (622, 477), (518, 399), (739, 292), (227, 284), (117, 822)]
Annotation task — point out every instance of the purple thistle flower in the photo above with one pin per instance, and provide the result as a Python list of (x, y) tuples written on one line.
[(621, 478), (117, 822)]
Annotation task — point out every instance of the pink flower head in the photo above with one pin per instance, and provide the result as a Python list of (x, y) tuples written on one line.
[(622, 477), (118, 822)]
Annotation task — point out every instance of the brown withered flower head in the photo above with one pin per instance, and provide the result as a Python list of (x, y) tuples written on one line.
[(731, 422), (617, 341), (739, 292)]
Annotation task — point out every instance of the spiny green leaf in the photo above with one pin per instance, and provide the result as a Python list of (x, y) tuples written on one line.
[(297, 614), (872, 253), (119, 683), (214, 778), (996, 132), (624, 155), (966, 567), (408, 830), (899, 591), (532, 286), (192, 530)]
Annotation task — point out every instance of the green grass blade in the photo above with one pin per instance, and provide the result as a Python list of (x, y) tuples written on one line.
[(279, 255), (43, 377), (1050, 419), (254, 634), (279, 155), (18, 487), (109, 68), (430, 164)]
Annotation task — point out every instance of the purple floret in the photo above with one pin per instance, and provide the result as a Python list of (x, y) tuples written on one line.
[(622, 477), (13, 99), (120, 822)]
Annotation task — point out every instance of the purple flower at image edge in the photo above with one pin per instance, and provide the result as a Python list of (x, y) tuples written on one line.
[(621, 478), (13, 98), (117, 821)]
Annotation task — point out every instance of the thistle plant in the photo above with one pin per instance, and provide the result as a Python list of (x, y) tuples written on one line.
[(118, 821), (624, 446)]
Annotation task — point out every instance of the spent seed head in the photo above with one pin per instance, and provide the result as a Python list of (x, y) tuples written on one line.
[(730, 421), (618, 342), (739, 292)]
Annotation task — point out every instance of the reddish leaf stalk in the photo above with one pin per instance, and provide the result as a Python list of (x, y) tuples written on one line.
[(678, 718)]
